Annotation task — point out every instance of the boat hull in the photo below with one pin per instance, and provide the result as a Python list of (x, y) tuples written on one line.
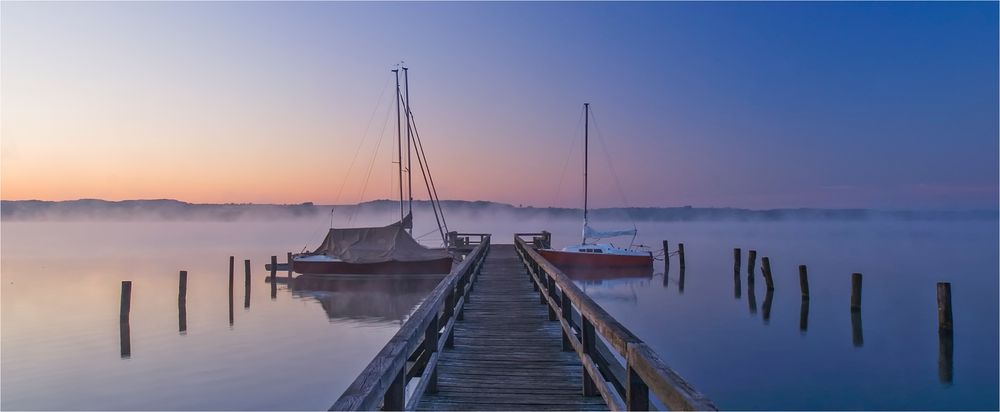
[(594, 266), (392, 267)]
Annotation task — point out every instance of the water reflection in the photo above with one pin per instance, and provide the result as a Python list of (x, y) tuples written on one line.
[(125, 339), (857, 335), (365, 297), (751, 296), (613, 284), (804, 316), (768, 298), (946, 351)]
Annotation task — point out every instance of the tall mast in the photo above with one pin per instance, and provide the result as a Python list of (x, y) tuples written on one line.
[(409, 138), (586, 129), (399, 147)]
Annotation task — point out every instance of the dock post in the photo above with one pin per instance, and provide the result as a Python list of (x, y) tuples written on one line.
[(430, 345), (183, 286), (588, 338), (736, 273), (946, 345), (804, 282), (124, 334), (182, 303), (395, 395), (736, 260), (289, 264), (768, 298), (804, 316), (246, 287), (566, 307), (765, 263), (666, 257), (751, 261), (944, 307), (232, 262), (637, 392), (551, 287), (857, 334), (274, 276), (855, 292), (680, 255), (126, 301)]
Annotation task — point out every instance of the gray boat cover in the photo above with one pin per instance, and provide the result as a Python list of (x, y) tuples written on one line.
[(376, 244)]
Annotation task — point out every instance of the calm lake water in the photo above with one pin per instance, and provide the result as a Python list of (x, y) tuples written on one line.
[(61, 343)]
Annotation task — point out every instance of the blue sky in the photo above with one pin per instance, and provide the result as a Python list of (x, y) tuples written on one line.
[(846, 104)]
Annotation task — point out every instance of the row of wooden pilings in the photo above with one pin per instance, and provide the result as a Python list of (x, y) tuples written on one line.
[(126, 299), (944, 310)]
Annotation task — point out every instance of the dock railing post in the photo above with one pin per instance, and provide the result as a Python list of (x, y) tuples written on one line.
[(566, 307), (551, 287), (636, 392), (395, 396), (589, 341), (430, 345)]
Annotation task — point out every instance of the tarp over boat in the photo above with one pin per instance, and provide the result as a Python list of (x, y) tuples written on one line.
[(376, 244)]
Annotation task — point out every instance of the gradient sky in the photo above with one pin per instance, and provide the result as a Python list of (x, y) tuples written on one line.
[(758, 105)]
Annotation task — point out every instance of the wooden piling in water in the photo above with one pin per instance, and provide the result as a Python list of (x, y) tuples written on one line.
[(751, 262), (680, 255), (183, 286), (246, 289), (124, 335), (855, 292), (857, 334), (289, 261), (804, 282), (768, 299), (126, 301), (766, 270), (274, 275), (804, 316), (736, 260), (182, 303), (944, 307), (666, 257)]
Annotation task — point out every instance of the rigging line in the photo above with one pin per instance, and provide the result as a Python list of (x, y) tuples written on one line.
[(569, 154), (421, 152), (425, 171), (371, 165), (364, 138), (357, 151), (614, 173)]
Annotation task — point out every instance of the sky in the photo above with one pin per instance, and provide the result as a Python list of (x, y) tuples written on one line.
[(754, 105)]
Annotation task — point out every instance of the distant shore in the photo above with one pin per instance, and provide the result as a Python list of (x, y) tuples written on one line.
[(168, 209)]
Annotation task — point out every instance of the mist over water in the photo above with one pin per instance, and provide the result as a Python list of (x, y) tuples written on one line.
[(61, 283)]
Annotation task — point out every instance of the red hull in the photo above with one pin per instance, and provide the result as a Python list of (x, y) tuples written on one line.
[(598, 266), (392, 267)]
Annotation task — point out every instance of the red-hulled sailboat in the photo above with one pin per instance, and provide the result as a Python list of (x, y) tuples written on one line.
[(586, 257)]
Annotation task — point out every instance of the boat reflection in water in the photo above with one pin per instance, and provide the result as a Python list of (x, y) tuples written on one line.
[(610, 283), (369, 298)]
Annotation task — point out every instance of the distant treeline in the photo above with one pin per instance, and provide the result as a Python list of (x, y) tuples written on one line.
[(167, 209)]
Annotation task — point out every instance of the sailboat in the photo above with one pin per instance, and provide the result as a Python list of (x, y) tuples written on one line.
[(388, 249), (584, 259)]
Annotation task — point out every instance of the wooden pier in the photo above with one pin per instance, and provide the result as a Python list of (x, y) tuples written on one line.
[(507, 330)]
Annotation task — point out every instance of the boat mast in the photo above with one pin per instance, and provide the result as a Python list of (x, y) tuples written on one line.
[(409, 138), (399, 147), (586, 124)]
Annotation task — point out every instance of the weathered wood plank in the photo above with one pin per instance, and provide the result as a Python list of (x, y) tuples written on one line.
[(507, 354)]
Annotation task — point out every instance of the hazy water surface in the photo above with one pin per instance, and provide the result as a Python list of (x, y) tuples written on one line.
[(61, 338)]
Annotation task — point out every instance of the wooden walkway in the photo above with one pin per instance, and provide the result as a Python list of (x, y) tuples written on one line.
[(507, 354)]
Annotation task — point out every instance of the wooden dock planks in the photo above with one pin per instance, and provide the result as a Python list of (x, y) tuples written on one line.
[(507, 354)]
